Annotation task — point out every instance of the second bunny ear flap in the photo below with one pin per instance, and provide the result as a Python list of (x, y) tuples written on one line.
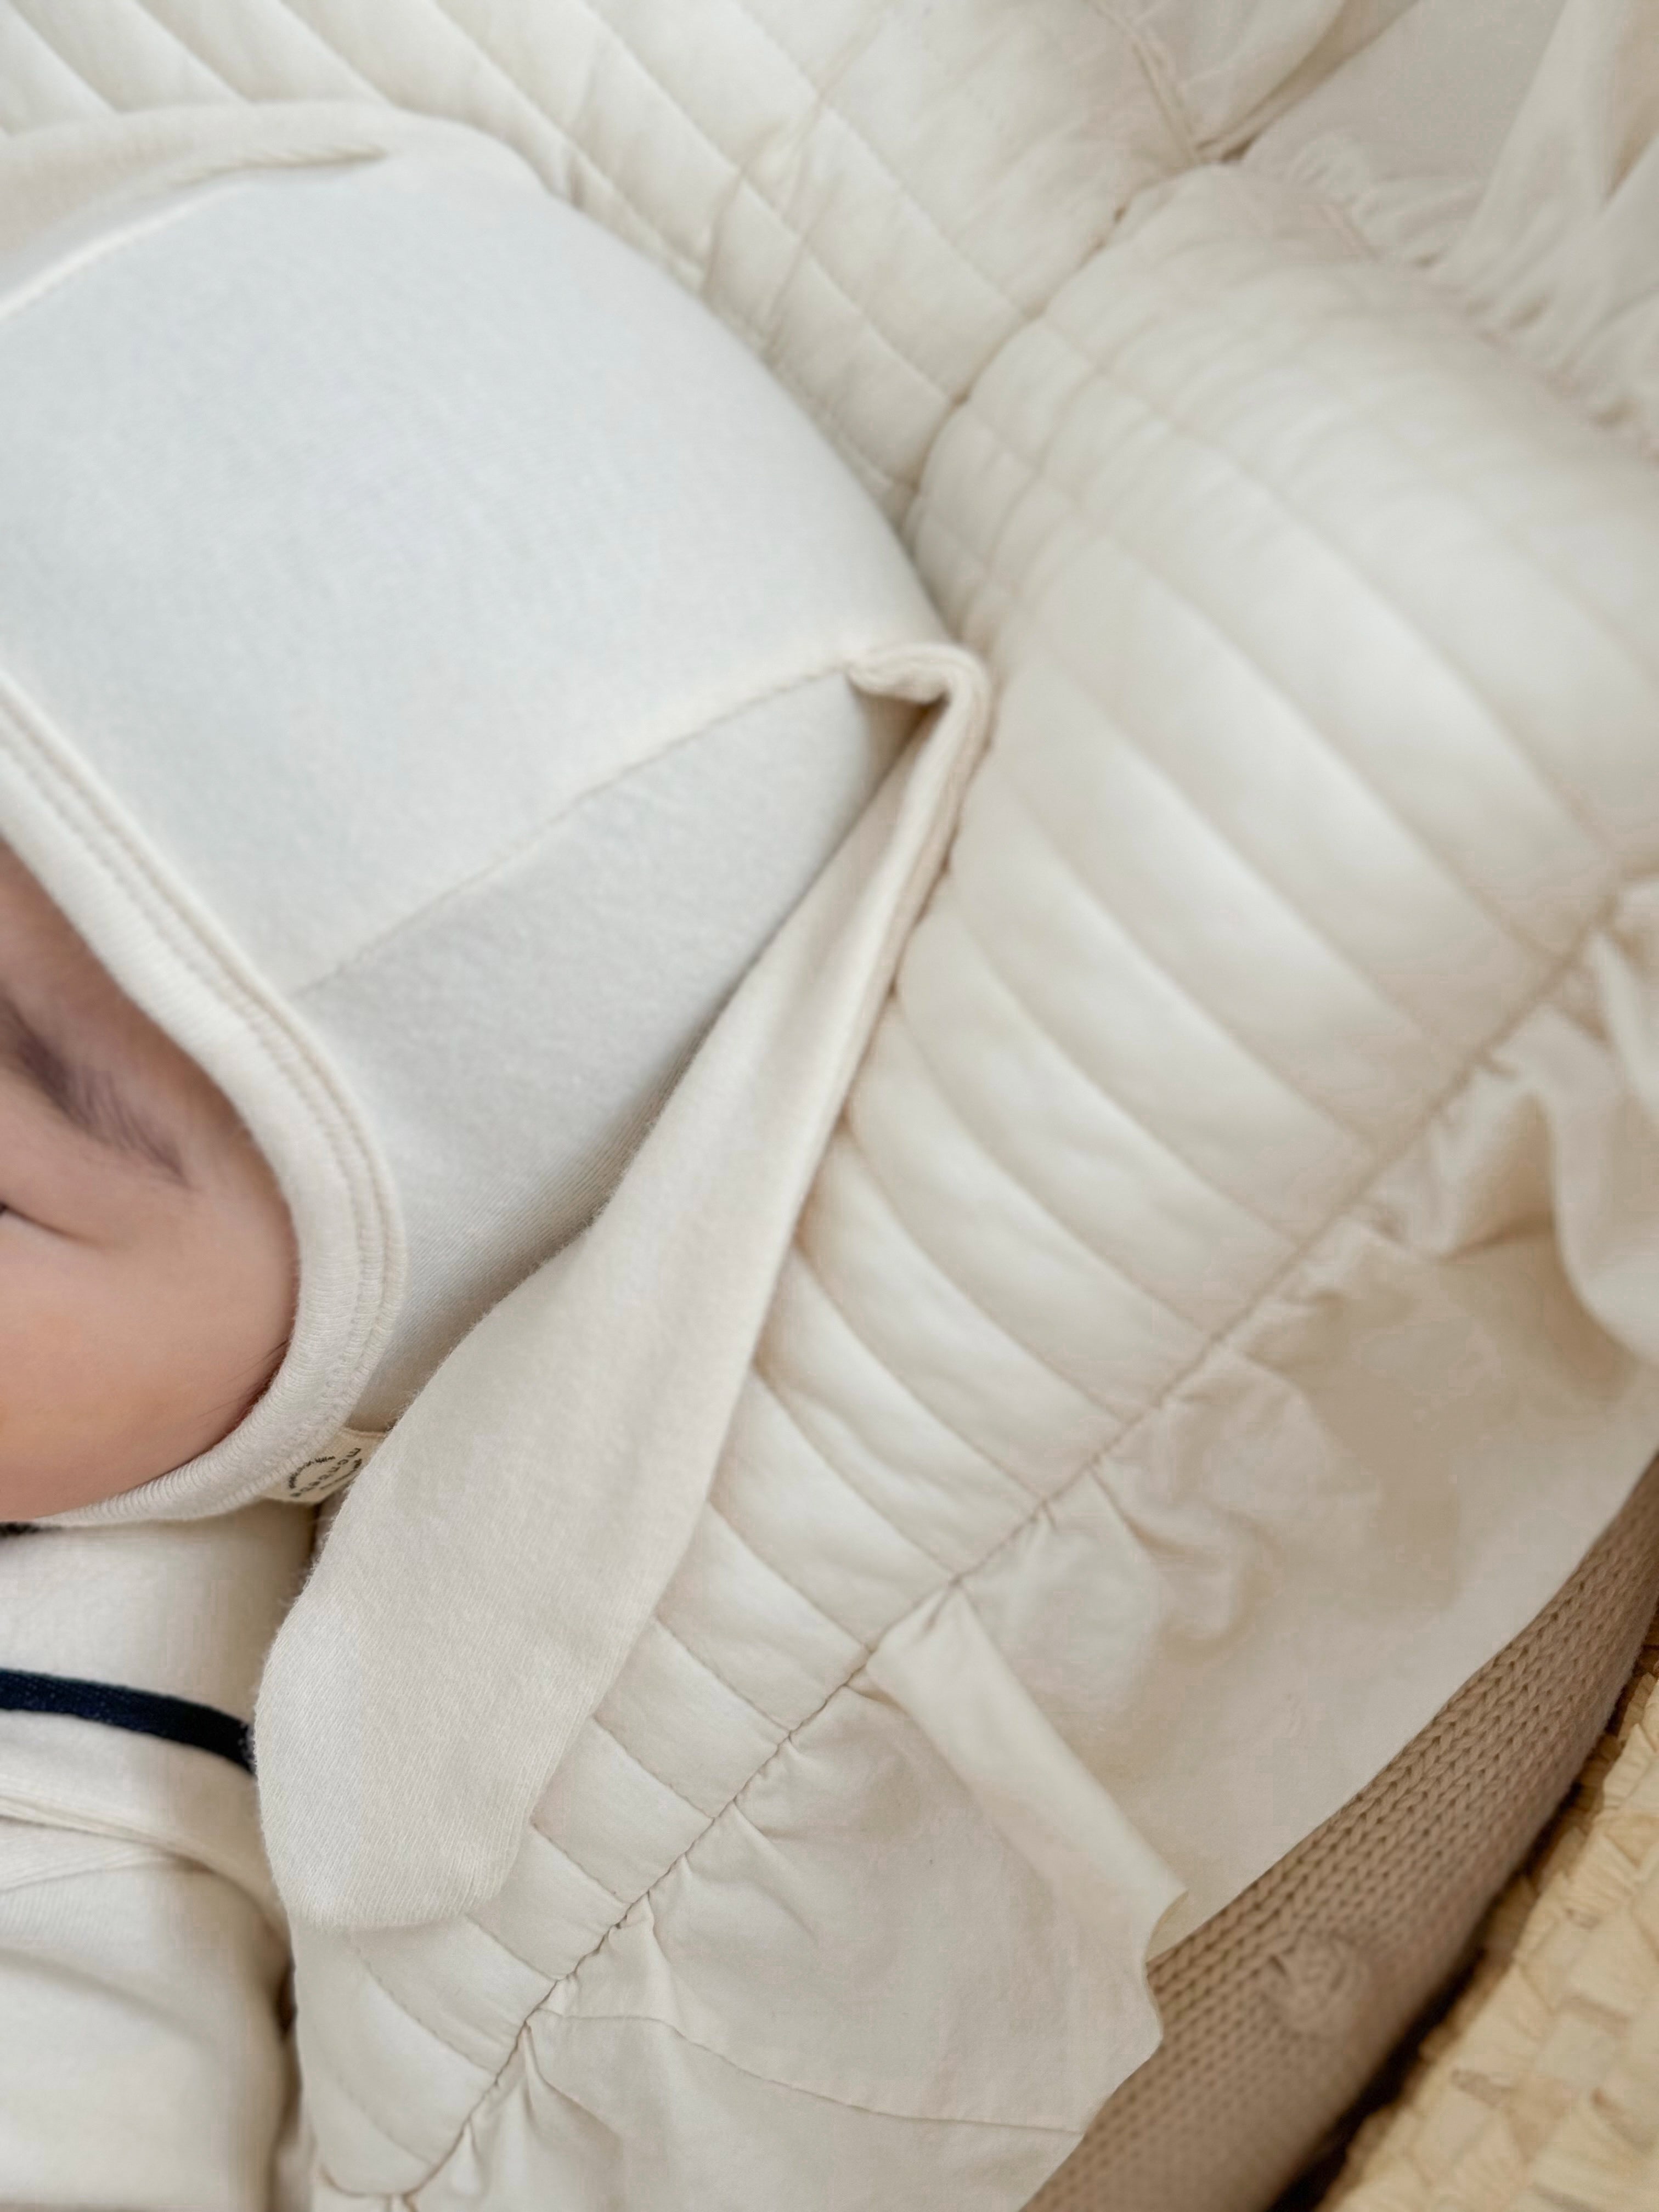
[(492, 1568)]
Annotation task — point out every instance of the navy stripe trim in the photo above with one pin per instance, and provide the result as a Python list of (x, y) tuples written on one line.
[(144, 1712)]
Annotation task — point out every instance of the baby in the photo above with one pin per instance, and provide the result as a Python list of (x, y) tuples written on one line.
[(425, 644), (148, 1283)]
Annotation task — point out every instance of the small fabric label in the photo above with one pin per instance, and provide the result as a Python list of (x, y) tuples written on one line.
[(327, 1472)]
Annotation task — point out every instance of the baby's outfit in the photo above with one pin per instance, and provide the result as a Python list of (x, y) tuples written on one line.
[(438, 660), (143, 1960)]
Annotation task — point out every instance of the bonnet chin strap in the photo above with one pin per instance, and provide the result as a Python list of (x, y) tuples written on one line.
[(491, 1569)]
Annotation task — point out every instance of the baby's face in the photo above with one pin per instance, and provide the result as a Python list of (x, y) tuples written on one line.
[(147, 1269)]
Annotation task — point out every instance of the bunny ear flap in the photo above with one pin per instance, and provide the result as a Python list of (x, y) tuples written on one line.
[(493, 1566)]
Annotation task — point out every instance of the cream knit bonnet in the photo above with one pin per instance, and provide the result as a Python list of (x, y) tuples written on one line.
[(436, 657)]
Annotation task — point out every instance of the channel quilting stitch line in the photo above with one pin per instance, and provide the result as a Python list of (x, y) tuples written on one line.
[(1294, 907), (943, 1103), (565, 1852), (529, 1966), (758, 1385), (626, 45), (1548, 781), (163, 31), (1088, 1471), (1568, 398), (649, 1772), (541, 118), (472, 1918), (580, 107), (1022, 313), (1220, 1345), (549, 1980), (761, 1379), (691, 274), (1026, 594), (997, 118), (968, 419), (949, 1103), (806, 1274), (803, 131), (1504, 926), (1177, 987), (773, 1724), (307, 31), (338, 2086), (1026, 597), (811, 1604), (1155, 1137), (749, 1544), (285, 11), (352, 1942), (836, 1689), (1112, 374), (1062, 407), (946, 1428), (909, 482), (676, 257), (770, 1719), (42, 45), (903, 192)]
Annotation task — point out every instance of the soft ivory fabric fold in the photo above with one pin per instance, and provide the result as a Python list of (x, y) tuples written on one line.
[(1557, 258), (941, 1666), (1403, 137), (59, 1772), (1509, 148), (142, 2061), (491, 1568)]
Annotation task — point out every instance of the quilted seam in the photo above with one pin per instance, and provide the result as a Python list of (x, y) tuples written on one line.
[(1220, 1349), (1225, 1346)]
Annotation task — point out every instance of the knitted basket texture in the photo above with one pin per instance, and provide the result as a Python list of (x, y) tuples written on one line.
[(1540, 2092), (1280, 2012)]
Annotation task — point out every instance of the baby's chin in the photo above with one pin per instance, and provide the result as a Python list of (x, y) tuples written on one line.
[(89, 1460), (37, 1488)]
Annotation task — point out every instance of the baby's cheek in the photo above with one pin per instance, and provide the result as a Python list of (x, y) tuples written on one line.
[(127, 1352), (71, 1388)]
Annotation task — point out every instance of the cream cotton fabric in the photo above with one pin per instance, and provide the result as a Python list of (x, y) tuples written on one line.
[(555, 820), (143, 1952), (491, 690), (1223, 1316)]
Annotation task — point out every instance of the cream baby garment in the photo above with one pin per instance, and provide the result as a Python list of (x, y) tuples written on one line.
[(436, 659)]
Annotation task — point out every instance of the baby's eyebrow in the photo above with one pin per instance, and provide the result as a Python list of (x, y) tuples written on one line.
[(88, 1099)]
